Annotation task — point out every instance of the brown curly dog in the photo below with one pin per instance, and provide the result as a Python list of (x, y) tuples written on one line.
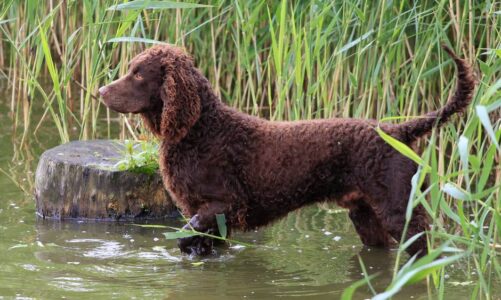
[(217, 160)]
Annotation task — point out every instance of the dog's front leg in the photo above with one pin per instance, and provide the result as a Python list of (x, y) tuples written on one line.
[(203, 221)]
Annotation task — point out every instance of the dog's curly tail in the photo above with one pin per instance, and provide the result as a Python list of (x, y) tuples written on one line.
[(413, 129)]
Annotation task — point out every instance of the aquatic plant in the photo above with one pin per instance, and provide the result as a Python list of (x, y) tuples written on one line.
[(139, 156)]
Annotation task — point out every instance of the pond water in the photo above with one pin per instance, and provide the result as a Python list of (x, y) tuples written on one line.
[(312, 254)]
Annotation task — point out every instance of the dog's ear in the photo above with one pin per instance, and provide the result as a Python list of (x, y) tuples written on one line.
[(181, 103)]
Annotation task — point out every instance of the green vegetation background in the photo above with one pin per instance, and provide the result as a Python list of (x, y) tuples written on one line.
[(290, 60)]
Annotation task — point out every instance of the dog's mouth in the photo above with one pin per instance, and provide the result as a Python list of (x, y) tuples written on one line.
[(110, 102), (117, 109)]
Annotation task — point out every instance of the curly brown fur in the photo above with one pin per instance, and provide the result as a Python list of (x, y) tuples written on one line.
[(215, 159)]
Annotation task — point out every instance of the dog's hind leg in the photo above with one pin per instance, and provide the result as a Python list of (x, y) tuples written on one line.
[(394, 219), (365, 220), (392, 198), (368, 226), (203, 221)]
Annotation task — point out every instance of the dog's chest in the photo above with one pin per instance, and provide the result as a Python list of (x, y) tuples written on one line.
[(194, 174)]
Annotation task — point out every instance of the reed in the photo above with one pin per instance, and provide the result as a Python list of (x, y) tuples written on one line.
[(294, 60)]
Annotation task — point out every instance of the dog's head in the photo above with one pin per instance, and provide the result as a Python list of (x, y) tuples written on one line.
[(161, 85)]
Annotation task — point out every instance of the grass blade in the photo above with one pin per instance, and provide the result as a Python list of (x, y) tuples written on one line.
[(350, 291), (415, 275), (221, 225), (456, 192), (131, 39), (402, 148), (179, 234), (140, 4)]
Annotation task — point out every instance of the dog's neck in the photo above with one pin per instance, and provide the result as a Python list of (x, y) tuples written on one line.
[(152, 120)]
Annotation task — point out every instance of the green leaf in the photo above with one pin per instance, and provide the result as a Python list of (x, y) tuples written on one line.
[(463, 154), (355, 42), (212, 236), (415, 275), (353, 80), (221, 225), (491, 91), (487, 166), (410, 241), (150, 226), (449, 212), (494, 106), (483, 115), (349, 291), (141, 4), (6, 21), (54, 74), (463, 150), (402, 148), (430, 257), (414, 188), (131, 39), (421, 272), (455, 192), (18, 246), (179, 234)]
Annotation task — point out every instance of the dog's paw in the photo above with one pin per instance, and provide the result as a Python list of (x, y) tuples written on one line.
[(196, 245), (199, 245)]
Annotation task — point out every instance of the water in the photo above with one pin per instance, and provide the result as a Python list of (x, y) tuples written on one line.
[(311, 254)]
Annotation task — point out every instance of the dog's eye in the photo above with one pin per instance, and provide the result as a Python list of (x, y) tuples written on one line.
[(137, 75)]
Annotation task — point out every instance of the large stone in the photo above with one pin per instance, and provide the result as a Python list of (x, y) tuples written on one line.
[(78, 180)]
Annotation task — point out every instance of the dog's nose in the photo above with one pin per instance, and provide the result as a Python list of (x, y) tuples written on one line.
[(103, 91)]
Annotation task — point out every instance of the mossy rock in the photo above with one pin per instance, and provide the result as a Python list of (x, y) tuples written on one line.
[(78, 180)]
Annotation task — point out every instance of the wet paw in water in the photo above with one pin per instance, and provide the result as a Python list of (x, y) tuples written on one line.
[(199, 244), (196, 245)]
